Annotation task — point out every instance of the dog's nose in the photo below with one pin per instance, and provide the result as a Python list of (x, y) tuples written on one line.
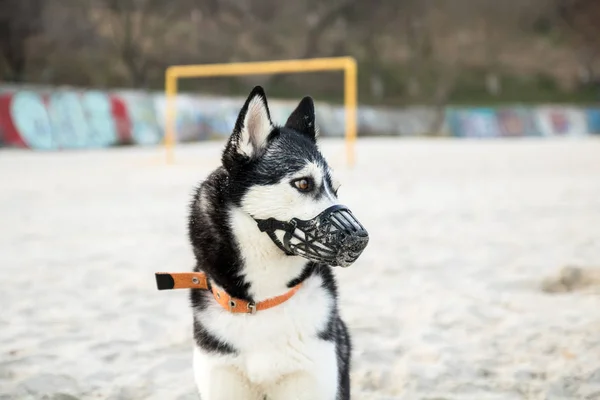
[(354, 237), (352, 247)]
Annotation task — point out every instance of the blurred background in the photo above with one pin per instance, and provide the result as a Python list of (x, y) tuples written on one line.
[(477, 175), (410, 51), (426, 64)]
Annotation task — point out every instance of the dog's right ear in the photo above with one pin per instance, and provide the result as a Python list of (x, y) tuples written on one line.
[(252, 128)]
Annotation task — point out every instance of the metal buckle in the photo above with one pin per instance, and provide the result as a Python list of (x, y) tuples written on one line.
[(252, 308), (293, 224)]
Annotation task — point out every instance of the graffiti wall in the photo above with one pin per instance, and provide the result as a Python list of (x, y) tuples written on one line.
[(71, 119), (56, 118), (62, 119), (543, 121)]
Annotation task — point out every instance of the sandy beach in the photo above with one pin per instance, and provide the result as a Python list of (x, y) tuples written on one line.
[(446, 303)]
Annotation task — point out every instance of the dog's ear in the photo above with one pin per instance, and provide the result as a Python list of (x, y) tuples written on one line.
[(252, 127), (302, 119)]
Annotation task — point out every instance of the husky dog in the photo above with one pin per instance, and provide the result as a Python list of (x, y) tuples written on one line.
[(266, 228)]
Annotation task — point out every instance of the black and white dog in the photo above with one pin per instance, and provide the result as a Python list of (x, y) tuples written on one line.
[(266, 228)]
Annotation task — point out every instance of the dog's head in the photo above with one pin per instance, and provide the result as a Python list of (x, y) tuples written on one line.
[(277, 175)]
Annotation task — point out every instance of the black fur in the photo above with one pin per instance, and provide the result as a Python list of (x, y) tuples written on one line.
[(288, 149), (302, 119)]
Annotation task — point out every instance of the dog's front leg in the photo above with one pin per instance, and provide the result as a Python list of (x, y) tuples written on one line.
[(303, 386), (226, 384), (221, 382)]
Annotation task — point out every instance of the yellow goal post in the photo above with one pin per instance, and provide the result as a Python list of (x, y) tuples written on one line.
[(346, 64)]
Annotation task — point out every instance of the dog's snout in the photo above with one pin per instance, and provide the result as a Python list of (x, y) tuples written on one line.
[(334, 237), (352, 246), (356, 243)]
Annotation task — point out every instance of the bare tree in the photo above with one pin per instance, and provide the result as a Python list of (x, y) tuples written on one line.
[(19, 21), (138, 30), (409, 50), (583, 19)]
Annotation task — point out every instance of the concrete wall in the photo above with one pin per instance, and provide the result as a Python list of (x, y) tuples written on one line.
[(62, 118)]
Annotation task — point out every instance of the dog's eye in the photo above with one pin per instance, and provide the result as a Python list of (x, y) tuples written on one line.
[(303, 184)]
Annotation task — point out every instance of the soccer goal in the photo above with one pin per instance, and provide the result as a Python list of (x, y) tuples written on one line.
[(346, 64)]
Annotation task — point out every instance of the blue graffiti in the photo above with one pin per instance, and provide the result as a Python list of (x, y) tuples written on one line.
[(145, 129), (101, 129), (593, 120), (31, 120), (476, 123), (68, 121)]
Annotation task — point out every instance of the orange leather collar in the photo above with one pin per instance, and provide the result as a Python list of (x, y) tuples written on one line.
[(198, 280)]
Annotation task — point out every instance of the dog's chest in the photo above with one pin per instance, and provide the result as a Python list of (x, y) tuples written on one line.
[(263, 365), (279, 340)]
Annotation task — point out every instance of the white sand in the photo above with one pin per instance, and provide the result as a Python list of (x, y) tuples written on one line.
[(445, 303)]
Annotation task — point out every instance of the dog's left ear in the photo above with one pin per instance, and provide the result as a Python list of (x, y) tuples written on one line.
[(302, 119), (252, 127)]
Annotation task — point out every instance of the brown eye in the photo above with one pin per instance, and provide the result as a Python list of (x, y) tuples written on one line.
[(303, 184)]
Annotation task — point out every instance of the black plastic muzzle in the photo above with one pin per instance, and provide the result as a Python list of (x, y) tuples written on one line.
[(333, 237)]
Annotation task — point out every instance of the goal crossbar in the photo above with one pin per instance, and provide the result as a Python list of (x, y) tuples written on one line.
[(345, 64)]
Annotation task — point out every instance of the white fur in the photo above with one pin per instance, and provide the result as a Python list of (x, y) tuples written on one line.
[(276, 348), (256, 128), (279, 353), (335, 183), (266, 267), (284, 202)]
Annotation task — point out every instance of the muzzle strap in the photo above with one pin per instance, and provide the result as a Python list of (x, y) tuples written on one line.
[(269, 226)]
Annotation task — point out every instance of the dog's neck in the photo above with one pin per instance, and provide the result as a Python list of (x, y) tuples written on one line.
[(265, 267)]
